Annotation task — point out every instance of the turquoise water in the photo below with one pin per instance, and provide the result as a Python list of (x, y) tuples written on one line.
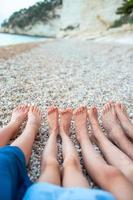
[(9, 39)]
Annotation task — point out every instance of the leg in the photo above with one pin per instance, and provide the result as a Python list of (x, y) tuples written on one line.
[(71, 165), (50, 170), (18, 116), (116, 133), (124, 119), (119, 159), (26, 139), (107, 177)]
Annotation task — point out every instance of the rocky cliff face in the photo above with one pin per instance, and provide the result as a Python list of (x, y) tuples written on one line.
[(48, 28), (96, 15), (74, 16)]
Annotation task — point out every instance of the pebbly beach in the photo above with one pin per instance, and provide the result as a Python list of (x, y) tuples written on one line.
[(64, 72)]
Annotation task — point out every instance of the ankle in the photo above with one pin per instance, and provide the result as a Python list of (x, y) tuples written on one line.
[(71, 161), (32, 127), (54, 131), (82, 138), (47, 162), (63, 135), (13, 126)]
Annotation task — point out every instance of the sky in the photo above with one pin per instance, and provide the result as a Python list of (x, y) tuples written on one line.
[(7, 7)]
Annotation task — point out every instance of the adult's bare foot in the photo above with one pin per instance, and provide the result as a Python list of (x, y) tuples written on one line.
[(111, 123), (53, 120), (65, 121), (34, 118), (80, 118), (115, 131), (93, 118), (120, 160), (124, 119)]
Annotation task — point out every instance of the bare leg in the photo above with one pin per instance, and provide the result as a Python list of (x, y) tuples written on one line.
[(115, 131), (113, 155), (19, 114), (50, 170), (106, 176), (124, 119), (72, 173), (26, 139)]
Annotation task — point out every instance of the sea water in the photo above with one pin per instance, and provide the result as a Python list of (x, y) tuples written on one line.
[(10, 39)]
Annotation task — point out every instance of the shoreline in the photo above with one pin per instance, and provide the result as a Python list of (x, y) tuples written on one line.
[(10, 51)]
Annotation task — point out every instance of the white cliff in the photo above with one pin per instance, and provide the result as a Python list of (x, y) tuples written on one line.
[(96, 15), (49, 28), (75, 16)]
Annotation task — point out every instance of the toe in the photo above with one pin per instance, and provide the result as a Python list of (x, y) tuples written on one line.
[(23, 108), (31, 108), (118, 105), (27, 108), (78, 110), (36, 109), (93, 114), (103, 110), (61, 111), (69, 110), (51, 108), (75, 112), (19, 107), (106, 108), (111, 105), (82, 108), (123, 107), (94, 109)]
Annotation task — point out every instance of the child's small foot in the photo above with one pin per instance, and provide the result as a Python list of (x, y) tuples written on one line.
[(19, 114)]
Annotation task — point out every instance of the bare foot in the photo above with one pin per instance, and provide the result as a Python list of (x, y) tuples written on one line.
[(53, 120), (124, 119), (111, 123), (116, 133), (19, 114), (93, 117), (8, 132), (80, 118), (65, 121), (34, 118)]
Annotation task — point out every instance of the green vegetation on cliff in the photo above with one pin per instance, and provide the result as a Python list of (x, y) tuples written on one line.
[(41, 11), (126, 12)]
